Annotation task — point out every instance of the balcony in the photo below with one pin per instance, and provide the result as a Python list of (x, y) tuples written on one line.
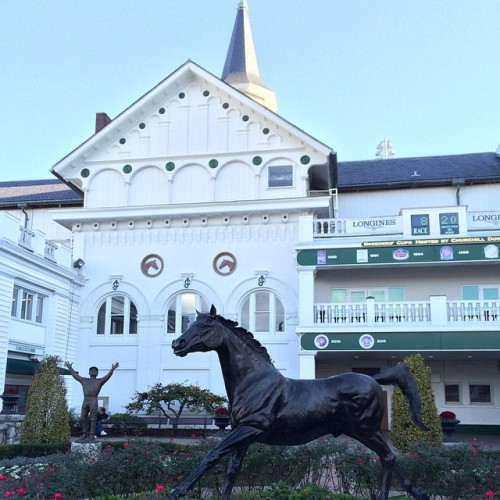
[(435, 311)]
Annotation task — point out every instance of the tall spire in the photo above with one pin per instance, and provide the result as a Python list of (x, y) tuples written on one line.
[(241, 70)]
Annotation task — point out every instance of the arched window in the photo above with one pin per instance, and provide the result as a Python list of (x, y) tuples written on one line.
[(262, 312), (182, 311), (117, 316)]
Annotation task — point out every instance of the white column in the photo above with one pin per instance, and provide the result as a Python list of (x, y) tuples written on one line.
[(306, 228), (439, 314), (306, 296), (307, 365)]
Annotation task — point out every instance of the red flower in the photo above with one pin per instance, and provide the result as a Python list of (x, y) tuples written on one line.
[(222, 411), (8, 493), (377, 459), (20, 491), (160, 488), (3, 478), (57, 495), (447, 415), (360, 460), (489, 494), (125, 445)]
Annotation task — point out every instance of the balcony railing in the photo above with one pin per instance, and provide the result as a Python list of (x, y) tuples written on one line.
[(477, 311), (26, 238), (426, 312)]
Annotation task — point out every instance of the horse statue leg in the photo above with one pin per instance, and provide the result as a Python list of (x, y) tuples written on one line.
[(233, 469), (377, 442), (239, 438)]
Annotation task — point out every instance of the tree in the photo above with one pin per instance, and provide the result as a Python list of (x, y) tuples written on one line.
[(170, 400), (403, 431), (47, 416)]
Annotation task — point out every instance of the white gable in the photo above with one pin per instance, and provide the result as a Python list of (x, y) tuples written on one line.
[(191, 139)]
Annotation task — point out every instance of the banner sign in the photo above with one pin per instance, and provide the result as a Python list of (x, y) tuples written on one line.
[(480, 249), (396, 341)]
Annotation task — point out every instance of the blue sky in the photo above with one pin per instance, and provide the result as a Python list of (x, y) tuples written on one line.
[(425, 74)]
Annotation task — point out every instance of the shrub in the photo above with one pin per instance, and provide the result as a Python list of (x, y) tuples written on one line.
[(404, 433), (47, 418)]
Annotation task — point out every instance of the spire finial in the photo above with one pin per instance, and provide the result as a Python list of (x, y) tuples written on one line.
[(241, 69)]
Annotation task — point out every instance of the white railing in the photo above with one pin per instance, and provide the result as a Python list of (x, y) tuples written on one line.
[(476, 311), (348, 313), (26, 238), (361, 312), (415, 312), (50, 251)]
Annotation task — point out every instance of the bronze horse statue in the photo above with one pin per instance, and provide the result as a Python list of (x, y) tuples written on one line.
[(268, 408)]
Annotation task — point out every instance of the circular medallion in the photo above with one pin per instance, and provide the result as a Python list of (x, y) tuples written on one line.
[(366, 341), (224, 263), (152, 265)]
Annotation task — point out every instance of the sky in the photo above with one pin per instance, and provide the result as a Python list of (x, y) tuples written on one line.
[(423, 74)]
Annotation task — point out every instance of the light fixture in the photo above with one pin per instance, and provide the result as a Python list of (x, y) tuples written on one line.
[(78, 264)]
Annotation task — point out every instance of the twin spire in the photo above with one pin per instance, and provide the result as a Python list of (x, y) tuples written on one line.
[(240, 69)]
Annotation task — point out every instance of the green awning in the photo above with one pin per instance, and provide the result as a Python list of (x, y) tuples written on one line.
[(27, 367)]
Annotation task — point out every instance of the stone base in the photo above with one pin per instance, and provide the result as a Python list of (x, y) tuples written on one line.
[(89, 450)]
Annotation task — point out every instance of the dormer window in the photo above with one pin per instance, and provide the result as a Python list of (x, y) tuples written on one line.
[(280, 176)]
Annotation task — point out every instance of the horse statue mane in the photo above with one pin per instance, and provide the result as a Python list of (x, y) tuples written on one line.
[(246, 336)]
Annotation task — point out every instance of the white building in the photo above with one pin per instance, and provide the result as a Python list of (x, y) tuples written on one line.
[(39, 287), (200, 194)]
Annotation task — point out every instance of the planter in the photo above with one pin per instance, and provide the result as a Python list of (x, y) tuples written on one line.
[(221, 422), (9, 403), (449, 426)]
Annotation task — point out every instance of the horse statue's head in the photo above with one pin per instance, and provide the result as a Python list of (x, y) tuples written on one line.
[(201, 336)]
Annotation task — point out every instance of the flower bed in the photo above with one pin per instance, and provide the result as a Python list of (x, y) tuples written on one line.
[(151, 469)]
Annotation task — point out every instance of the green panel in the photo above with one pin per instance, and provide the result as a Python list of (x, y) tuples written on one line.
[(401, 252), (392, 341)]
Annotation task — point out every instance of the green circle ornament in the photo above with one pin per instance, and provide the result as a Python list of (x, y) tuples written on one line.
[(127, 169), (305, 160), (169, 166), (85, 172), (123, 141), (245, 118), (265, 131), (213, 163), (225, 105), (206, 93), (161, 111), (257, 160), (182, 95), (142, 125)]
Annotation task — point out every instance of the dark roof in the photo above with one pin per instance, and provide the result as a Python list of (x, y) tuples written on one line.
[(46, 193), (422, 171)]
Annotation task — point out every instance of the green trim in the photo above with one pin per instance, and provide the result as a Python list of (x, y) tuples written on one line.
[(480, 430), (363, 341)]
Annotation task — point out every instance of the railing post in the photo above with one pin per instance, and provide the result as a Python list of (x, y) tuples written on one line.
[(439, 312), (370, 310)]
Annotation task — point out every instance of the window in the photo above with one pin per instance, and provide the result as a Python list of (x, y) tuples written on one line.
[(480, 393), (280, 176), (391, 294), (452, 393), (27, 305), (262, 312), (182, 311), (117, 316)]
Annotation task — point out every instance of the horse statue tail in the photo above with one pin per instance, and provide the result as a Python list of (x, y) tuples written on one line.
[(401, 376)]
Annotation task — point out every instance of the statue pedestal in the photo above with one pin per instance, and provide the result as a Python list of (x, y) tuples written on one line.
[(89, 450)]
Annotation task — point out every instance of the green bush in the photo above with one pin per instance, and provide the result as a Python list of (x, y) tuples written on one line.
[(404, 432), (47, 417)]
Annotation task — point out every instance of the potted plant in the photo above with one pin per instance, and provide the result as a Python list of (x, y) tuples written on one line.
[(449, 424), (221, 417), (9, 398)]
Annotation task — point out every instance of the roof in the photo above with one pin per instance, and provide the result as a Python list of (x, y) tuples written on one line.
[(421, 171), (47, 193)]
